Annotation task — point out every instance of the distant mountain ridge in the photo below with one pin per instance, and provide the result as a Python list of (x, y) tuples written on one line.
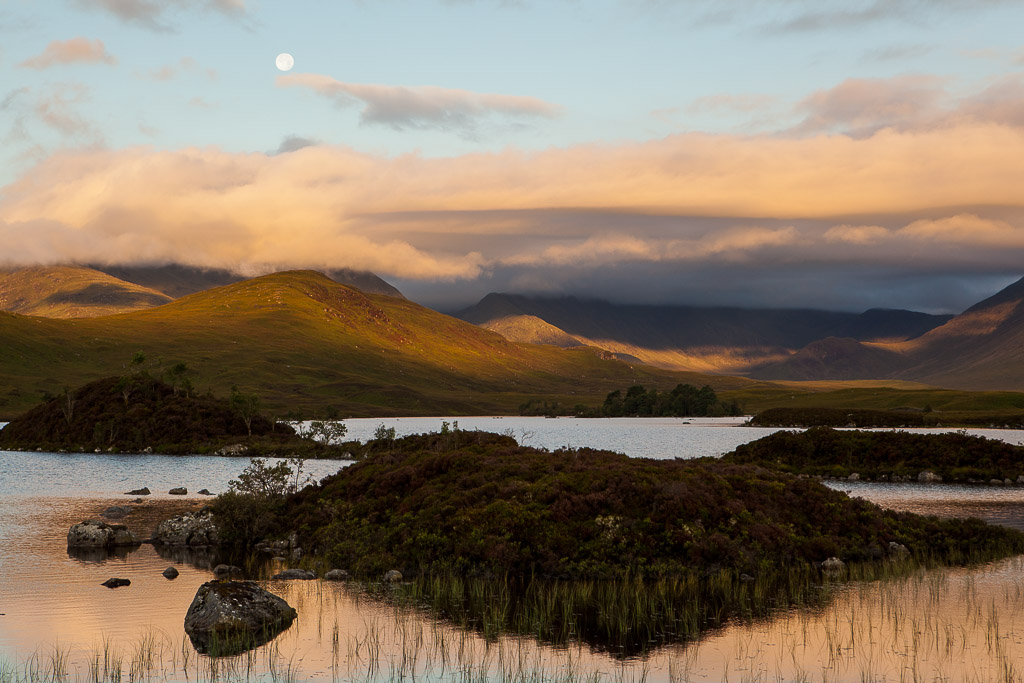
[(706, 339), (305, 342), (74, 291), (980, 349)]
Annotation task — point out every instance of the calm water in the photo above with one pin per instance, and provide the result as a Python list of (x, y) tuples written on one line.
[(952, 624)]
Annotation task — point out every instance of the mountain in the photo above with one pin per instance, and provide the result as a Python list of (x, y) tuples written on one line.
[(72, 292), (177, 280), (705, 339), (981, 349), (306, 343)]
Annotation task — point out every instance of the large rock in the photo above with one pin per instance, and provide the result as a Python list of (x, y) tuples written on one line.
[(234, 449), (94, 533), (229, 617), (929, 477), (191, 529)]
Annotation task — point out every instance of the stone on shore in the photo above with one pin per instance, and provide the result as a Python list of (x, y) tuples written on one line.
[(94, 533), (188, 529), (230, 617), (300, 574)]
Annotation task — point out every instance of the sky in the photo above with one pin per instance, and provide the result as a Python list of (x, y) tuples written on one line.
[(791, 153)]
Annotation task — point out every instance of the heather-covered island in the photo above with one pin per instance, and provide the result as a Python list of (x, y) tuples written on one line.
[(623, 552), (138, 413), (886, 456)]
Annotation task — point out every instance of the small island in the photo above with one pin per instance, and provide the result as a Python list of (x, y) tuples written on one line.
[(513, 536), (138, 413), (886, 456)]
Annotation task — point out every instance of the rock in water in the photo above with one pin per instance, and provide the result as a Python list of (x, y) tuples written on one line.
[(191, 529), (144, 491), (116, 583), (93, 533), (224, 570), (230, 617), (170, 573), (336, 575), (303, 574), (178, 491), (115, 512)]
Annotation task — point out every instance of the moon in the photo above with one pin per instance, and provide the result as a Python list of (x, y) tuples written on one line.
[(285, 61)]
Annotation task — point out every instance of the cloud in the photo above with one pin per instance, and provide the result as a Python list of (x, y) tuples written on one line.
[(421, 107), (73, 51), (967, 230), (691, 202), (862, 106), (169, 72), (856, 234), (152, 13)]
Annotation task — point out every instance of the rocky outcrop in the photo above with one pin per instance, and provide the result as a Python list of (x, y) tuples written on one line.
[(222, 571), (833, 565), (94, 533), (292, 574), (189, 529), (229, 617)]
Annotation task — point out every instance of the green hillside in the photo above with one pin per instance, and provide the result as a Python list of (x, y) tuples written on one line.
[(309, 345)]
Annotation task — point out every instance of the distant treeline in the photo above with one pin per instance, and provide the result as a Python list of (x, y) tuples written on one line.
[(686, 400), (842, 417)]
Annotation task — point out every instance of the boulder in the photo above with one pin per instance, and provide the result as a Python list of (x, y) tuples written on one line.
[(94, 533), (144, 491), (115, 512), (223, 570), (898, 550), (190, 528), (995, 482), (393, 576), (854, 477), (929, 477), (206, 492), (116, 583), (290, 574), (233, 449), (170, 573), (178, 491), (336, 575), (230, 617), (833, 565)]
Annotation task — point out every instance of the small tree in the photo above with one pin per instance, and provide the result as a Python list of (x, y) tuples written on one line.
[(247, 406), (67, 405), (262, 481), (328, 432)]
